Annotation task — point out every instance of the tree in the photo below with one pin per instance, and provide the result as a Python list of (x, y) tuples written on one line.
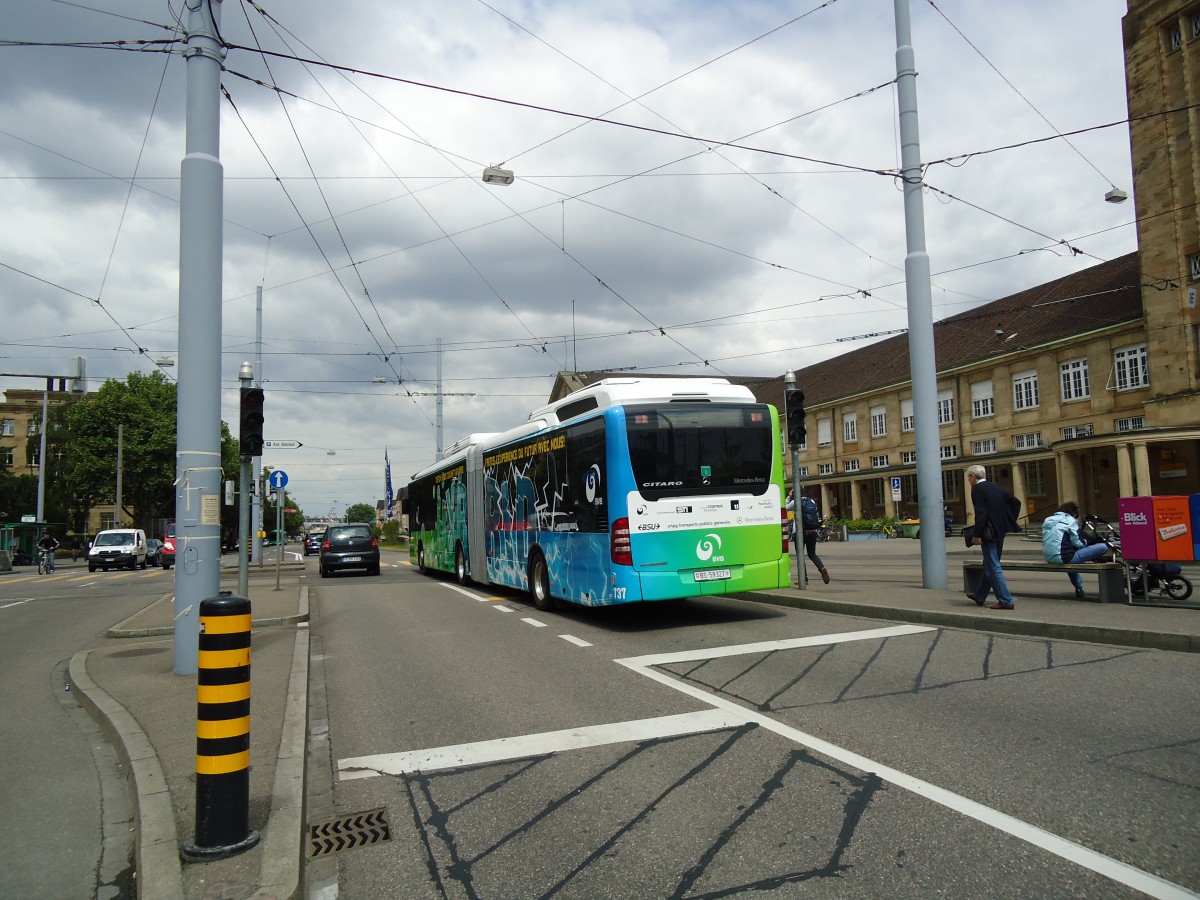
[(82, 449), (361, 512)]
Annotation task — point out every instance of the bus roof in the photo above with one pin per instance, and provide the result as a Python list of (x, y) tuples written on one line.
[(616, 391)]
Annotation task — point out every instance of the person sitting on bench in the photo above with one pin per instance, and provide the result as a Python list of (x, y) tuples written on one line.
[(1062, 544)]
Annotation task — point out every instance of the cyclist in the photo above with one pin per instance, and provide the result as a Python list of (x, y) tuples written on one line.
[(48, 545)]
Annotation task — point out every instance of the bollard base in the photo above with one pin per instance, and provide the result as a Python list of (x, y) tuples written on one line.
[(190, 853)]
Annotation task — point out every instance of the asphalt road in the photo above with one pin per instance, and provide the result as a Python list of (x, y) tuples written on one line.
[(59, 771), (849, 758)]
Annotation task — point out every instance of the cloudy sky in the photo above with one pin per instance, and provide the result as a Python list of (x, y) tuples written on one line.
[(354, 199)]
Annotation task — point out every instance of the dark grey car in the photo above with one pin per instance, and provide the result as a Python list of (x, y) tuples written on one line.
[(312, 541), (348, 547)]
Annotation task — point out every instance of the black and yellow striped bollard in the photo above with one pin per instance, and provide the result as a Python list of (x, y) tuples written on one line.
[(222, 732)]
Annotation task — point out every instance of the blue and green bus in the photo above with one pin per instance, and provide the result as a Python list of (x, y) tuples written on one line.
[(633, 489)]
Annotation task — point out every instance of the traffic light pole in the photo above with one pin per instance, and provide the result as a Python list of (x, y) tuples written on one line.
[(245, 374)]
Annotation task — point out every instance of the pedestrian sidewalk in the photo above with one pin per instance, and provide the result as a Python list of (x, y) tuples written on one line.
[(149, 714), (883, 579)]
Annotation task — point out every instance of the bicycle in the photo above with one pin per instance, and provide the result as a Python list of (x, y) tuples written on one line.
[(45, 564), (889, 531)]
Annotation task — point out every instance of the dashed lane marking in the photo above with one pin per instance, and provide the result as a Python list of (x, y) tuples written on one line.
[(534, 622), (503, 608), (571, 639)]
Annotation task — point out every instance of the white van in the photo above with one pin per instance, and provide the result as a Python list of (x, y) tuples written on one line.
[(118, 548)]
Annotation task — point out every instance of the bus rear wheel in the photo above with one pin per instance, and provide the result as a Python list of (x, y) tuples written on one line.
[(460, 565), (539, 583), (421, 559)]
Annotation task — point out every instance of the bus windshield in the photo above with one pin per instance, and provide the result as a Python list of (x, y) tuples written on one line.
[(699, 448)]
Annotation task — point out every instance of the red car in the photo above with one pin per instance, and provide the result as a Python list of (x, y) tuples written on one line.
[(167, 554)]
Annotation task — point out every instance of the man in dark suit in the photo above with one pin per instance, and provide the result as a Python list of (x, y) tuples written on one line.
[(995, 517)]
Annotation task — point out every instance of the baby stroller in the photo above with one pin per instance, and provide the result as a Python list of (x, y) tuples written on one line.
[(1155, 580)]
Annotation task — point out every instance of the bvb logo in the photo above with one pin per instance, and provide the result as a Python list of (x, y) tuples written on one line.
[(705, 548), (591, 483)]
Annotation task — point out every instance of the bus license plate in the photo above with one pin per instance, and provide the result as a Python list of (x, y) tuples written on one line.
[(712, 575)]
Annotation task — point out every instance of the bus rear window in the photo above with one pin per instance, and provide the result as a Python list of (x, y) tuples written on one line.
[(699, 448)]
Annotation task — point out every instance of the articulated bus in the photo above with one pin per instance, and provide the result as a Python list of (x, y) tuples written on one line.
[(633, 489)]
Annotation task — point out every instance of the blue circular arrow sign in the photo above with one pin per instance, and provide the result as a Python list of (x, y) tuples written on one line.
[(278, 479)]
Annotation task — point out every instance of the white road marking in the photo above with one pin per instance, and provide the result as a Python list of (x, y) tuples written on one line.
[(534, 622), (1118, 871), (571, 639), (481, 752), (503, 608), (466, 593), (16, 603)]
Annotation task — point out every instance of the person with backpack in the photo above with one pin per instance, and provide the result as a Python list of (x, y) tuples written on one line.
[(810, 524), (1062, 543)]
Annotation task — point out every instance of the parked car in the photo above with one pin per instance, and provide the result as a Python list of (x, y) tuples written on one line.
[(118, 548), (348, 547), (167, 555), (153, 551), (312, 541)]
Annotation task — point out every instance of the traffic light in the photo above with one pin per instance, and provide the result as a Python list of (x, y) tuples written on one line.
[(793, 401), (251, 434)]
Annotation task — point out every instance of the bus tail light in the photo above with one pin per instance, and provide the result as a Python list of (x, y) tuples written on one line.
[(622, 553), (783, 526)]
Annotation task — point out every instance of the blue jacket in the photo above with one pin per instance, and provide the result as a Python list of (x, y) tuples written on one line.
[(1060, 538)]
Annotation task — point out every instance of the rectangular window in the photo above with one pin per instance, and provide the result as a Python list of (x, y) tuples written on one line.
[(8, 428), (951, 484), (824, 432), (35, 454), (879, 462), (1133, 423), (804, 471), (945, 407), (949, 451), (908, 457), (1025, 390), (6, 456), (850, 428), (983, 403), (31, 428), (1030, 441), (907, 420), (691, 448), (1035, 478), (825, 469), (878, 421), (984, 447), (1130, 368), (851, 465), (908, 489), (1070, 432), (878, 487), (1074, 375)]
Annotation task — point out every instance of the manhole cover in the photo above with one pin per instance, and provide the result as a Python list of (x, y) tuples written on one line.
[(140, 651), (348, 832)]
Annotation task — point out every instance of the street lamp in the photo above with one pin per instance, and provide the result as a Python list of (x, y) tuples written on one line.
[(497, 175)]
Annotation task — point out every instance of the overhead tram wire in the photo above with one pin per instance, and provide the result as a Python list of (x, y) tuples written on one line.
[(424, 208), (1015, 90), (336, 226), (575, 259), (638, 100)]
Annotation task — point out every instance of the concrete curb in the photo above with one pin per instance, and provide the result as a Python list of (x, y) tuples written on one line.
[(156, 844), (1097, 634)]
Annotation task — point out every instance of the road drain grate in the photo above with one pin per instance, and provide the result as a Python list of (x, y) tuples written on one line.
[(348, 832)]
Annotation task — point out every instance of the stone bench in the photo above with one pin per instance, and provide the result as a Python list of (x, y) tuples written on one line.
[(1111, 574)]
